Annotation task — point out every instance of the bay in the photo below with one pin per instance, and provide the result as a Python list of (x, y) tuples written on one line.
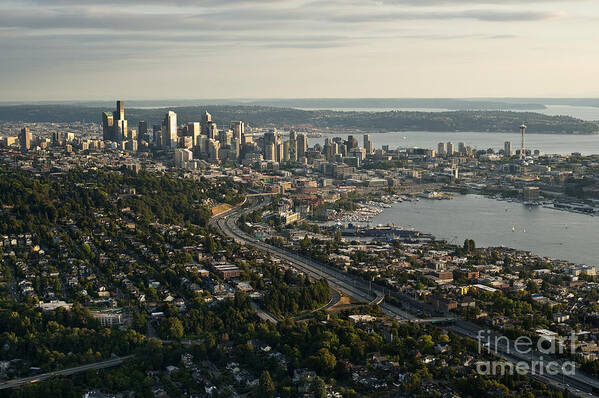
[(543, 231)]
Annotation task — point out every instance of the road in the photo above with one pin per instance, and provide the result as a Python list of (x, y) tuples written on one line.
[(65, 372), (361, 290), (349, 285)]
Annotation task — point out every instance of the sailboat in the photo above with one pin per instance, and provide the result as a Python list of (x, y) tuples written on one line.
[(514, 228)]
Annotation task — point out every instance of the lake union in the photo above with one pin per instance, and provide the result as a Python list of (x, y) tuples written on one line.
[(543, 231)]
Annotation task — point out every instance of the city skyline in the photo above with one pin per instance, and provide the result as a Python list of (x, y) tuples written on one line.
[(309, 49)]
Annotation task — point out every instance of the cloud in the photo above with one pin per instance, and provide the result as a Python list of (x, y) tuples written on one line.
[(480, 15)]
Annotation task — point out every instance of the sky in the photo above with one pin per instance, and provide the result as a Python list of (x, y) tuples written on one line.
[(194, 49)]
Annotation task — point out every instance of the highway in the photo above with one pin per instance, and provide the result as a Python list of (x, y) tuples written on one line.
[(358, 289), (65, 372), (351, 286)]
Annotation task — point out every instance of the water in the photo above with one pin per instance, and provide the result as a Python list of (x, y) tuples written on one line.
[(588, 113), (543, 231), (546, 143)]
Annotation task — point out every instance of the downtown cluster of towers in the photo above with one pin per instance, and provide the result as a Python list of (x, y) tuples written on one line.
[(202, 139)]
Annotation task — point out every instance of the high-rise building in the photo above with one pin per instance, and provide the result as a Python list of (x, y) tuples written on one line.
[(235, 148), (368, 144), (57, 138), (142, 130), (292, 147), (182, 157), (120, 130), (120, 110), (25, 139), (441, 149), (286, 151), (157, 135), (107, 126), (271, 140), (462, 148), (201, 143), (224, 137), (169, 130), (114, 126), (194, 131), (507, 149), (302, 145), (238, 128), (270, 152), (207, 125), (450, 149), (351, 143), (212, 130), (213, 149)]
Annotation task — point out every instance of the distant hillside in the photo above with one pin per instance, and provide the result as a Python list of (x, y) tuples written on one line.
[(263, 116)]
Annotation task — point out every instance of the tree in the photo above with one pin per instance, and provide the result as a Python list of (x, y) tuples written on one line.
[(266, 387), (469, 246), (326, 360), (174, 328), (320, 388), (210, 244)]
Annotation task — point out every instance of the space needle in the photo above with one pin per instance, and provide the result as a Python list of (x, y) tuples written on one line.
[(522, 151)]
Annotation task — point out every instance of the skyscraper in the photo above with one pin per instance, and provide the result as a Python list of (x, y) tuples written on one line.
[(293, 146), (238, 128), (441, 149), (107, 126), (302, 145), (120, 110), (450, 149), (270, 152), (351, 143), (507, 149), (142, 131), (207, 125), (157, 135), (194, 130), (213, 149), (25, 139), (224, 137), (120, 130), (114, 125), (368, 144), (169, 130), (212, 130), (270, 138)]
